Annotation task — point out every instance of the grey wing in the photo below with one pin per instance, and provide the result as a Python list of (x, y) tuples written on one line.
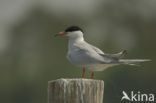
[(115, 56), (111, 57), (96, 49), (89, 54), (85, 57)]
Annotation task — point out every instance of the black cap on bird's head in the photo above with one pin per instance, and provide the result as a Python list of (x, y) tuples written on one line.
[(73, 28)]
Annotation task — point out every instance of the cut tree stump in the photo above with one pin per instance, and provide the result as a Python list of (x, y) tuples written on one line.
[(75, 91)]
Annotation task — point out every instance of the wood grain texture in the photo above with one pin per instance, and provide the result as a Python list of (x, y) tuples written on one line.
[(75, 91)]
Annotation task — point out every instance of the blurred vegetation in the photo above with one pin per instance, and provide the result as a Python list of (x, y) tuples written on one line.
[(30, 56)]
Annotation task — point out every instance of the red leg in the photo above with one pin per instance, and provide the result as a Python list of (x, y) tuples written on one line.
[(83, 73), (92, 75)]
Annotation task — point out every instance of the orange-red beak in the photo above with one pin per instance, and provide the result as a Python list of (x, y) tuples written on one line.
[(61, 34)]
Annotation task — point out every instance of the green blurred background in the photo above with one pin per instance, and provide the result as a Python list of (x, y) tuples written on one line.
[(30, 56)]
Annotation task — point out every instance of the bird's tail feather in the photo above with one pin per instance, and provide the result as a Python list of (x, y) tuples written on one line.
[(131, 61), (138, 65)]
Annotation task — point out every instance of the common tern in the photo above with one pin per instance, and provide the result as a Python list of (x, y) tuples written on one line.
[(87, 56)]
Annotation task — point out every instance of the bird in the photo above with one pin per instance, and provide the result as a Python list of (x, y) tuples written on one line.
[(89, 57)]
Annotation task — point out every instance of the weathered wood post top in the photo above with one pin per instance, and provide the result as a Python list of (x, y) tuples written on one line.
[(75, 91)]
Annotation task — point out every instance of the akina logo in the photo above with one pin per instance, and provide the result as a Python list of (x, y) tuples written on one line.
[(138, 96)]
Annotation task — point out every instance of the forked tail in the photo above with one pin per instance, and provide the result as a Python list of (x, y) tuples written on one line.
[(131, 61)]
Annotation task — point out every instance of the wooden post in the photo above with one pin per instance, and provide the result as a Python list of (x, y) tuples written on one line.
[(75, 91)]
